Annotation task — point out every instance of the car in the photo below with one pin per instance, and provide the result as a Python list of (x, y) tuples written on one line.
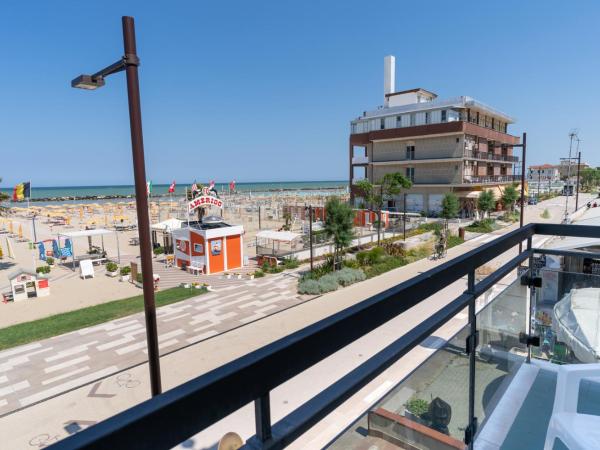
[(532, 201)]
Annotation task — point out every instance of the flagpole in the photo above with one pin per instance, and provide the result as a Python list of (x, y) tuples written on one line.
[(29, 196)]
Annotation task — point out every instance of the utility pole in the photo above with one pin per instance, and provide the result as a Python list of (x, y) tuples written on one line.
[(578, 173), (310, 234), (572, 135), (404, 216)]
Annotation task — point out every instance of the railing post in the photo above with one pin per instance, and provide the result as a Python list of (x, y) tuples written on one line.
[(531, 306), (262, 415), (472, 342)]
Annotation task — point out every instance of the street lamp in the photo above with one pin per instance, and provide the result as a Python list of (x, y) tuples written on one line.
[(129, 63), (523, 145)]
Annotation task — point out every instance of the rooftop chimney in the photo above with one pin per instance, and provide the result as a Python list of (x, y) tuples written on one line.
[(389, 76)]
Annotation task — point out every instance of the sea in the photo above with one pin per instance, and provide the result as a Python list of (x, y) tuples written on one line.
[(47, 195)]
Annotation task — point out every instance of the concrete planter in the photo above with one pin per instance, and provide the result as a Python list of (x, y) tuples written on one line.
[(185, 285), (112, 274), (124, 278)]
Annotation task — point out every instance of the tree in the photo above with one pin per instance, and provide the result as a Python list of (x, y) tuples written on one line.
[(389, 186), (339, 221), (509, 197), (449, 207), (589, 179), (486, 201)]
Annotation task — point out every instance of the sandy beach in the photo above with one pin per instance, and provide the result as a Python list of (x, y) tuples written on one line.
[(68, 291)]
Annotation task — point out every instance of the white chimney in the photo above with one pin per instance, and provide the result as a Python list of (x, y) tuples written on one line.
[(389, 76)]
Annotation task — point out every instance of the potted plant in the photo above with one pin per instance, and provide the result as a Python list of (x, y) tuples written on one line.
[(185, 285), (227, 275), (112, 269), (239, 276), (251, 276), (50, 261), (125, 271), (416, 408), (43, 271), (207, 287), (158, 251)]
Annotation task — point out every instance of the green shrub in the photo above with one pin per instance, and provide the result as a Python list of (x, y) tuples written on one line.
[(347, 276), (510, 216), (258, 273), (328, 283), (453, 241), (49, 260), (159, 250), (482, 226), (388, 264), (43, 269), (351, 263), (361, 258), (545, 214), (125, 270), (375, 255), (291, 263), (417, 406), (309, 287), (111, 266)]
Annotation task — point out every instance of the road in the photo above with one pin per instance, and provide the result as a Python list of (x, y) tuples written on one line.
[(34, 426)]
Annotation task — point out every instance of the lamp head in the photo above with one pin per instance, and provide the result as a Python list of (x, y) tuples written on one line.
[(87, 82)]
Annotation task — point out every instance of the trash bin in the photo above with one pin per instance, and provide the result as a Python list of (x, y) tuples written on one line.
[(461, 233)]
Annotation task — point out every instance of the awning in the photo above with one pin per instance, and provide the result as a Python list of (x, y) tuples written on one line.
[(284, 236), (86, 233), (167, 225)]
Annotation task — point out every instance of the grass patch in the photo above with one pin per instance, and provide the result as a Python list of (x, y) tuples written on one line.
[(47, 327), (453, 241), (482, 226)]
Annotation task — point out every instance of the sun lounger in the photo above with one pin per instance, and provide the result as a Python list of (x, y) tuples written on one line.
[(576, 431)]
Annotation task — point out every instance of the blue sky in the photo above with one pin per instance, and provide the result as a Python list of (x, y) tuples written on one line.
[(265, 90)]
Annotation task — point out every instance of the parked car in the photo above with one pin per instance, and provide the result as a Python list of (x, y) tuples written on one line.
[(532, 201)]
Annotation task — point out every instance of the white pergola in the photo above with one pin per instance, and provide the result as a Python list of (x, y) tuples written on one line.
[(90, 233)]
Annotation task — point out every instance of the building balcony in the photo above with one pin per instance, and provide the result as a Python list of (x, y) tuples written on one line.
[(487, 386), (491, 179), (360, 160), (472, 154)]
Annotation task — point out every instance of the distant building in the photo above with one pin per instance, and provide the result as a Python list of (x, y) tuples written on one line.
[(452, 145), (544, 172), (563, 168)]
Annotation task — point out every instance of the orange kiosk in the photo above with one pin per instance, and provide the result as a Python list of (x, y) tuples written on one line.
[(210, 246)]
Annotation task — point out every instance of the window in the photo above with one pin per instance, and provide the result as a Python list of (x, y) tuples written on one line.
[(198, 248), (427, 117), (413, 120), (444, 115), (410, 173), (382, 124), (399, 121), (410, 152)]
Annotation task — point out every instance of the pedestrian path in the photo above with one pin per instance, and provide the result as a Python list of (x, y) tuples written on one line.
[(35, 372)]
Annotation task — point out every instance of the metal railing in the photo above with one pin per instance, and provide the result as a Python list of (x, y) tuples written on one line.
[(174, 416), (473, 154), (468, 179)]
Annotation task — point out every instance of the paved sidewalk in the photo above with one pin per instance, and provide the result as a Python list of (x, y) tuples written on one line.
[(38, 371)]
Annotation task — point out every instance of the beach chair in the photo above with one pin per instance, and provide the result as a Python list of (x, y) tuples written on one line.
[(42, 250), (86, 268), (67, 250), (576, 431)]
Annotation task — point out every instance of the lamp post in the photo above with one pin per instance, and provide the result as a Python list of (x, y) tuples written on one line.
[(129, 63), (523, 145)]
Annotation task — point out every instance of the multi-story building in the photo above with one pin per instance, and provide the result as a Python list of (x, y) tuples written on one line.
[(544, 172), (456, 145)]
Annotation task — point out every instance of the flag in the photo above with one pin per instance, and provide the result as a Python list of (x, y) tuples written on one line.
[(232, 185), (194, 188), (148, 188), (172, 187), (21, 191)]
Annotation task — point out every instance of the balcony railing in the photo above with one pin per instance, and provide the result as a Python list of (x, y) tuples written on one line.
[(360, 159), (491, 179), (473, 154), (174, 416), (355, 180)]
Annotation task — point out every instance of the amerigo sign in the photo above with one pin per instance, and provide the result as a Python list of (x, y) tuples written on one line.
[(204, 201)]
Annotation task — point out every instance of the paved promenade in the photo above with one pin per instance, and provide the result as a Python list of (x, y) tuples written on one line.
[(36, 372)]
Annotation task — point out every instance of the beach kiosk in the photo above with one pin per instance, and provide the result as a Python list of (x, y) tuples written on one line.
[(25, 284), (210, 246)]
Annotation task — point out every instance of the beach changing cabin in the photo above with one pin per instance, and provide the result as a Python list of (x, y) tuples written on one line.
[(210, 246), (25, 284)]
